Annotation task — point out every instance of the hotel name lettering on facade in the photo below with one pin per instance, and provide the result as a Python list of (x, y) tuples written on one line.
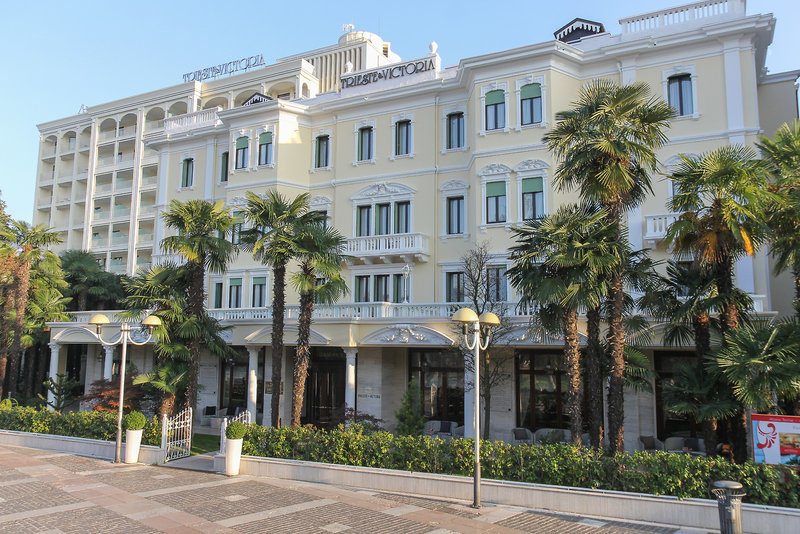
[(389, 73), (223, 69)]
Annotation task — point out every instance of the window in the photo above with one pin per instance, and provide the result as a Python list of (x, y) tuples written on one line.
[(440, 375), (399, 288), (455, 215), (382, 212), (187, 173), (235, 293), (242, 152), (382, 288), (218, 295), (402, 211), (362, 223), (541, 390), (265, 148), (321, 152), (365, 148), (236, 228), (362, 289), (455, 130), (259, 291), (402, 140), (223, 174), (532, 199), (455, 287), (495, 110), (496, 284), (495, 202), (531, 103), (680, 94)]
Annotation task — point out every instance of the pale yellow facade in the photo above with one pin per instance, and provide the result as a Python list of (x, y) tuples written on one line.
[(105, 176)]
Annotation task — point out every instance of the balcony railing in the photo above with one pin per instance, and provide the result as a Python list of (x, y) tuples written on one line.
[(392, 245), (153, 125), (657, 225), (122, 211), (100, 215), (192, 121), (117, 240), (104, 187), (147, 211), (685, 15)]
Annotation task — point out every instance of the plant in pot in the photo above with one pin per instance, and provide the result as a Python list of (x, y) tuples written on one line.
[(134, 423), (234, 435)]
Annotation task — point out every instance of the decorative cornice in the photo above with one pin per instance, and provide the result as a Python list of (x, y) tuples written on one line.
[(382, 189), (494, 169), (407, 334)]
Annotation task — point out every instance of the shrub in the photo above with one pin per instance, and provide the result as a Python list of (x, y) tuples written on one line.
[(235, 430), (134, 421), (409, 416)]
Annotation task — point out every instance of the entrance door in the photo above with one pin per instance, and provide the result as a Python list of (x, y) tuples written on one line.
[(323, 403)]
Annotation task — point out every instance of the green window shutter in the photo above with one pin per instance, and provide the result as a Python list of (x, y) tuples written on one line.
[(532, 90), (242, 142), (184, 169), (259, 280), (532, 185), (265, 138), (495, 189), (236, 281), (495, 97)]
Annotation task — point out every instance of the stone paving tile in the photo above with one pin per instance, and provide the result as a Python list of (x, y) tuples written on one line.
[(85, 521), (554, 523), (32, 496), (358, 520), (76, 464), (145, 479), (211, 503), (430, 504), (9, 473)]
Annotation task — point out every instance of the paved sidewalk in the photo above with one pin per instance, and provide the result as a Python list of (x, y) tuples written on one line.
[(46, 492)]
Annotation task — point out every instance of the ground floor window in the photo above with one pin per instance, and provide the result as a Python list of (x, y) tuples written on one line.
[(233, 381), (323, 402), (668, 422), (541, 389), (440, 374)]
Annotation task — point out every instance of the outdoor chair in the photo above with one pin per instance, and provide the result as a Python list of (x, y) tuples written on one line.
[(521, 435), (441, 429), (694, 446), (651, 443)]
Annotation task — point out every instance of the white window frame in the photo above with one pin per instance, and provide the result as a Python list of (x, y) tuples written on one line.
[(232, 143), (494, 86), (460, 108), (447, 268), (383, 193), (356, 141), (678, 70), (219, 167), (317, 134), (271, 161), (399, 118), (377, 270), (322, 203), (450, 189), (494, 173), (251, 278), (520, 84), (502, 263), (671, 165), (184, 157), (531, 168)]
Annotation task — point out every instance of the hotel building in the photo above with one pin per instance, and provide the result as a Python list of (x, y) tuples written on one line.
[(415, 164)]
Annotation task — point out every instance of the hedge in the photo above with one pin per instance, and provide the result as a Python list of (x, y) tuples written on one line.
[(660, 473)]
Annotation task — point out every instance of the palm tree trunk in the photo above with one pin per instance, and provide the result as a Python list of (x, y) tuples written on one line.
[(710, 436), (167, 405), (302, 355), (616, 383), (21, 301), (278, 305), (30, 369), (594, 377), (729, 318), (796, 274), (83, 297), (196, 304), (701, 327), (572, 353), (42, 367)]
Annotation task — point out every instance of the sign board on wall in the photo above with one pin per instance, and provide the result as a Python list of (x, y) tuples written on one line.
[(776, 438)]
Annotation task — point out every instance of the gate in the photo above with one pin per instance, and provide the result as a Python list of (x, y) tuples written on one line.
[(243, 418), (176, 435)]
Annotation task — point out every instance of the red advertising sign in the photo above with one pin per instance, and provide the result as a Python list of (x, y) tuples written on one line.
[(776, 439)]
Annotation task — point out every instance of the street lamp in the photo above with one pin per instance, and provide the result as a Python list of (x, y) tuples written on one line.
[(99, 321), (406, 272), (481, 328)]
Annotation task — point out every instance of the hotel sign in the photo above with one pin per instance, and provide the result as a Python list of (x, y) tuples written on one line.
[(223, 69), (410, 68)]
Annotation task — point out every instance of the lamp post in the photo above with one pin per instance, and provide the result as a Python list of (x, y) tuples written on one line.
[(481, 328), (99, 321), (406, 272)]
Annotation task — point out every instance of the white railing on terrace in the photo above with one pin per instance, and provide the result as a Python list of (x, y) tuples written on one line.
[(387, 244), (108, 134), (105, 161), (100, 215), (153, 125), (123, 185), (149, 180), (147, 211), (682, 15), (104, 187), (127, 131), (656, 226), (192, 121), (117, 240)]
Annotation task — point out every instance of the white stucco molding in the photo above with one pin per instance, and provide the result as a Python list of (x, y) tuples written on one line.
[(384, 191), (263, 336), (407, 334), (523, 336)]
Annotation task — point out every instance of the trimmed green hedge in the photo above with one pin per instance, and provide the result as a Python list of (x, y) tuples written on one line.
[(661, 473), (92, 425)]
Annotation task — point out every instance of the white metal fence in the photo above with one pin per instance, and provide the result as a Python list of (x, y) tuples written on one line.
[(176, 435), (243, 418)]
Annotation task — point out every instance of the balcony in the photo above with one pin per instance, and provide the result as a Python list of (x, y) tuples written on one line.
[(100, 215), (102, 188), (127, 131), (681, 17), (145, 239), (99, 242), (149, 182), (117, 267), (147, 211), (122, 212), (389, 248), (192, 121), (119, 240), (656, 226)]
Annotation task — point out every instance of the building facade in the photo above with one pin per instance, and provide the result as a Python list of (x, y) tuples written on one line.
[(415, 164)]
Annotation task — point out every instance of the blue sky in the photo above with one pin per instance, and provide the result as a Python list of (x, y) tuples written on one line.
[(59, 55)]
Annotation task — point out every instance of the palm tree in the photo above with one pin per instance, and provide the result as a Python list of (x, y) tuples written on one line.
[(29, 243), (562, 263), (167, 378), (721, 197), (606, 148), (201, 227), (319, 250), (91, 286), (276, 224), (783, 155)]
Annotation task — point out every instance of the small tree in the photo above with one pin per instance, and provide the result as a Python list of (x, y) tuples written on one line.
[(62, 388), (409, 417)]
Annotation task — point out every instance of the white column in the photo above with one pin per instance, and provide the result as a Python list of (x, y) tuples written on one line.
[(108, 363), (350, 378), (469, 402), (734, 94), (252, 382), (55, 349), (266, 418)]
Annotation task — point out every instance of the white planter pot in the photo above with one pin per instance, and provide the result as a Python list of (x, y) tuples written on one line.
[(133, 440), (233, 456)]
